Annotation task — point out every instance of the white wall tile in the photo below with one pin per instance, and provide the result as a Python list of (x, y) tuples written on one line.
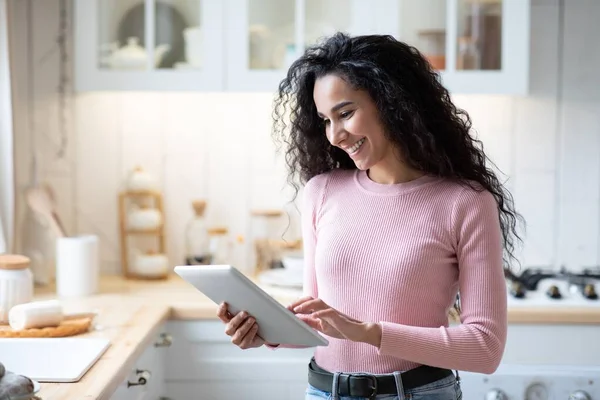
[(142, 135), (99, 172), (534, 199)]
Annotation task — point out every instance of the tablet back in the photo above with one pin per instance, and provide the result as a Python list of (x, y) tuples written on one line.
[(277, 324)]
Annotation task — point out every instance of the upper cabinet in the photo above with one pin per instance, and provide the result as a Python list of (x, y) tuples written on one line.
[(265, 36), (247, 45), (149, 45), (479, 46)]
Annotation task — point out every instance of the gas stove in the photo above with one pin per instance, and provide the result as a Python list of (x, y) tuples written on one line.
[(545, 287)]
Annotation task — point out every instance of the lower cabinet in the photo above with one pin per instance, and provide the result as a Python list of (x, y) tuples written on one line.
[(195, 360), (146, 379), (203, 364)]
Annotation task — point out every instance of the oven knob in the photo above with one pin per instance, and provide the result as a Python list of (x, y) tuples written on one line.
[(496, 394), (553, 292), (579, 395), (589, 291), (517, 290)]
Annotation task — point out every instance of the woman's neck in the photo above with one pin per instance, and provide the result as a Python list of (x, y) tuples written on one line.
[(392, 170)]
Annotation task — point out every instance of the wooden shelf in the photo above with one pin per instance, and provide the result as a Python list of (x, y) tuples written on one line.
[(156, 232), (125, 198)]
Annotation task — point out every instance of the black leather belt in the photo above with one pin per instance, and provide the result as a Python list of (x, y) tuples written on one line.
[(365, 385)]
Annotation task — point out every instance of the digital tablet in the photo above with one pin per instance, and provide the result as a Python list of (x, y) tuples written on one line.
[(276, 324)]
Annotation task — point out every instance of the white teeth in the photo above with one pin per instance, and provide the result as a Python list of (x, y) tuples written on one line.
[(356, 146)]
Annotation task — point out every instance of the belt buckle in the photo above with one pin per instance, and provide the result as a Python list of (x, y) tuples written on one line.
[(373, 386)]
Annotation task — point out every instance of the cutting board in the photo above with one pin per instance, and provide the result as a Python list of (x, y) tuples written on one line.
[(51, 359)]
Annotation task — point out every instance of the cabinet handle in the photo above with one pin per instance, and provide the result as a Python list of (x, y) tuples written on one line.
[(142, 378), (165, 340)]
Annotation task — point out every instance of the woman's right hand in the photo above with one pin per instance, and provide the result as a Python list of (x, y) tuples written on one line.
[(242, 328)]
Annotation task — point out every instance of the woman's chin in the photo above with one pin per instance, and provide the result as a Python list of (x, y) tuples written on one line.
[(362, 165)]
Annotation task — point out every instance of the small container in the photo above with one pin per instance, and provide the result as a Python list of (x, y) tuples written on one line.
[(77, 265), (150, 265), (197, 240), (141, 181), (267, 229), (16, 283), (143, 218), (219, 245)]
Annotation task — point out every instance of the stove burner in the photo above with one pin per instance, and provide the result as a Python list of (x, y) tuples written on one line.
[(529, 279)]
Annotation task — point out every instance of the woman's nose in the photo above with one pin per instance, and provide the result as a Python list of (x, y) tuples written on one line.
[(337, 134)]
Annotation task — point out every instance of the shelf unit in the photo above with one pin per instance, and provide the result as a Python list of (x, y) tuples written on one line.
[(132, 197)]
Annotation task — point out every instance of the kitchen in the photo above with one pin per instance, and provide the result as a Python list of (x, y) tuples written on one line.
[(91, 131)]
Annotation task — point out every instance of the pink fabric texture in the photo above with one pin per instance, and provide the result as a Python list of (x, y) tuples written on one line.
[(398, 254)]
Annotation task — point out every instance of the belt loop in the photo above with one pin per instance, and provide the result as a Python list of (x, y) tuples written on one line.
[(399, 385), (457, 376), (334, 386)]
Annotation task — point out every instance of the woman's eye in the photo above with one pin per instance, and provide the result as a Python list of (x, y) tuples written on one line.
[(346, 114)]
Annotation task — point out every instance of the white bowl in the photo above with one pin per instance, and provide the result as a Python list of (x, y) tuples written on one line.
[(293, 263)]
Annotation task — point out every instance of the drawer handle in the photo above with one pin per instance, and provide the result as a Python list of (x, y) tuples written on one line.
[(142, 378), (165, 340)]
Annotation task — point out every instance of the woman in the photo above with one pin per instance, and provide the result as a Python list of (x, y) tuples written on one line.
[(400, 214)]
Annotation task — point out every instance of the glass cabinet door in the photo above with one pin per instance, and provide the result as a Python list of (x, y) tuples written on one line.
[(479, 35), (271, 34), (265, 36), (469, 42), (423, 25), (121, 36), (149, 45), (178, 34), (488, 46)]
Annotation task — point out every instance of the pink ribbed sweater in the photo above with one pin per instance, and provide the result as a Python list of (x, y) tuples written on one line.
[(397, 254)]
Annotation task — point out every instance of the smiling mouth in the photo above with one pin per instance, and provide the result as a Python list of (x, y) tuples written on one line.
[(355, 147)]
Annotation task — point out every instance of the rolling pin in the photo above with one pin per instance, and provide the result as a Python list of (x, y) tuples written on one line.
[(40, 314)]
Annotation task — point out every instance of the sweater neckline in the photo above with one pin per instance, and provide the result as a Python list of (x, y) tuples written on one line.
[(366, 184)]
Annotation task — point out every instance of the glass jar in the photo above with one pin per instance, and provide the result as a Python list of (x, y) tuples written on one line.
[(197, 250), (219, 246), (267, 232), (16, 283)]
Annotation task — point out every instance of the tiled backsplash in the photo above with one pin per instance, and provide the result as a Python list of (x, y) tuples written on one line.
[(218, 147)]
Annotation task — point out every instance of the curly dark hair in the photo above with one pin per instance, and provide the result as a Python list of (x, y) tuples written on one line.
[(431, 133)]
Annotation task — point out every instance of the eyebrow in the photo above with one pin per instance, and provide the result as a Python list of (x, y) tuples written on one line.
[(338, 106)]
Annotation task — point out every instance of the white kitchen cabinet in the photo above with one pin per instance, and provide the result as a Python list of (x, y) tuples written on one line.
[(131, 45), (203, 364), (479, 46), (247, 45), (146, 379), (265, 36)]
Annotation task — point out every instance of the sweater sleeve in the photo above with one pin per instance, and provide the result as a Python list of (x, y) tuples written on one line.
[(477, 344)]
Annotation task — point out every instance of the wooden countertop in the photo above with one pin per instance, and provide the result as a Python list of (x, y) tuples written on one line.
[(130, 312)]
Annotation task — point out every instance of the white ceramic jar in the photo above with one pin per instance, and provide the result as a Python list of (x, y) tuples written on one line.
[(143, 218), (140, 181), (16, 283), (150, 264)]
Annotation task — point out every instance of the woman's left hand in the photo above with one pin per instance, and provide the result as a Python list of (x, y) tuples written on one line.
[(320, 316)]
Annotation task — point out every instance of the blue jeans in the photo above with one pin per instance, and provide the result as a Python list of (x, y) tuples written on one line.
[(444, 389)]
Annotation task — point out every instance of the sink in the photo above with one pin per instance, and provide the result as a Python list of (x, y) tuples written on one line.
[(51, 359)]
